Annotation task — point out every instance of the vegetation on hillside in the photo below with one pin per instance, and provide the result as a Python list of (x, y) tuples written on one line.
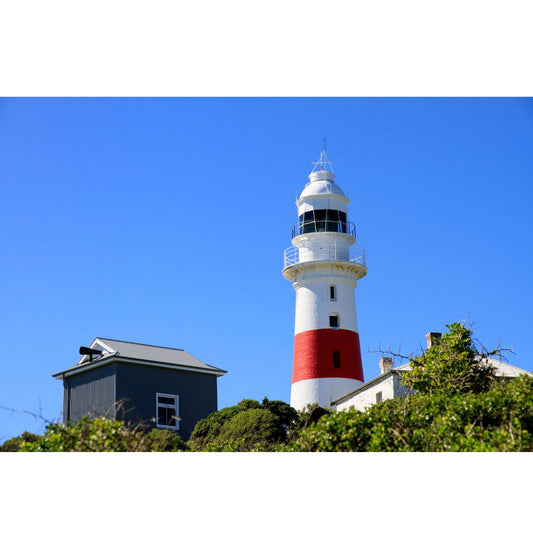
[(500, 419), (458, 405), (96, 435)]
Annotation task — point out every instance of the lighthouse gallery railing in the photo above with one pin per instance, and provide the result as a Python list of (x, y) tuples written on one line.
[(294, 255), (319, 226)]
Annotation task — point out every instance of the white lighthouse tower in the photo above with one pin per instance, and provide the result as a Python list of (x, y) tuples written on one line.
[(324, 265)]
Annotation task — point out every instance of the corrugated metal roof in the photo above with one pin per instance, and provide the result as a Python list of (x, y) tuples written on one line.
[(501, 368), (156, 354), (136, 352)]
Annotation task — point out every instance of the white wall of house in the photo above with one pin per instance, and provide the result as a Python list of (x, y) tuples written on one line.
[(370, 395)]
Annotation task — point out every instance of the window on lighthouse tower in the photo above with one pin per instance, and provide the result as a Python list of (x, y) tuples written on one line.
[(320, 220), (332, 293), (333, 321)]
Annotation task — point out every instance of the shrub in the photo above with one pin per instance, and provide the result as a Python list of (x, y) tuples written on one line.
[(247, 426), (500, 419), (453, 365), (165, 440), (89, 435), (13, 445)]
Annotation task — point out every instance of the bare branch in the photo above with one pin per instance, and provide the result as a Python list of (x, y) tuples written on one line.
[(23, 411), (394, 354)]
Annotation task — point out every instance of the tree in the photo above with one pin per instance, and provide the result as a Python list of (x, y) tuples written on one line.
[(288, 416), (500, 419), (247, 426), (13, 445), (453, 365), (248, 430), (309, 415)]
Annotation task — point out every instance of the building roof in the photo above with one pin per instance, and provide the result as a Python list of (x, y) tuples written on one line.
[(390, 374), (133, 352), (502, 368), (314, 188)]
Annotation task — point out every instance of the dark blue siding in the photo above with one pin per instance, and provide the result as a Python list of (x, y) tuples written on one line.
[(137, 385), (92, 393), (128, 392)]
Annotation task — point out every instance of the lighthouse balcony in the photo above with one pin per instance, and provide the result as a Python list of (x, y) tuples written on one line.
[(332, 252)]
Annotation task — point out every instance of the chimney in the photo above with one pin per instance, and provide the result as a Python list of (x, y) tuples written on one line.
[(385, 364), (432, 338)]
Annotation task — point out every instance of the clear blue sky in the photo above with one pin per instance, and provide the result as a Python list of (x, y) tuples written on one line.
[(163, 221)]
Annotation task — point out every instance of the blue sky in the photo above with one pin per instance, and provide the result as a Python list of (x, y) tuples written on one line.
[(164, 220)]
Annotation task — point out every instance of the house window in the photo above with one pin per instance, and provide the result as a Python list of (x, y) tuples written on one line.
[(336, 359), (333, 321), (379, 397), (332, 293), (167, 411)]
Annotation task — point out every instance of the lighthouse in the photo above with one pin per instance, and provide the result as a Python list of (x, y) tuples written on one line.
[(324, 265)]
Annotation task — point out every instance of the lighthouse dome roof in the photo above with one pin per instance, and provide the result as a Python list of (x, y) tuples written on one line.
[(321, 182)]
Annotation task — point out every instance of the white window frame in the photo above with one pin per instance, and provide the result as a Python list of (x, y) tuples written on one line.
[(175, 405)]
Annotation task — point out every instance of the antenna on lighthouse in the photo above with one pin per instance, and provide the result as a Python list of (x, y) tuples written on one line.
[(323, 161)]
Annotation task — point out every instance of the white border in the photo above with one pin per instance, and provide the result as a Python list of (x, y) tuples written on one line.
[(176, 406)]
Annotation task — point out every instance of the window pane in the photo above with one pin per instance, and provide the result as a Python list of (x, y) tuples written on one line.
[(332, 292), (333, 214), (342, 217), (166, 416), (332, 220), (336, 359), (166, 399), (320, 218), (333, 321)]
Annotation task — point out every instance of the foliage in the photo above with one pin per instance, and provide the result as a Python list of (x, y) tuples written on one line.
[(247, 426), (89, 435), (453, 365), (208, 429), (287, 415), (500, 419), (13, 445), (165, 440), (306, 417)]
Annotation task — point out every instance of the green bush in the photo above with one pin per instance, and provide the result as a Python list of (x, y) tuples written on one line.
[(454, 365), (247, 426), (500, 419), (13, 445), (165, 440), (89, 435)]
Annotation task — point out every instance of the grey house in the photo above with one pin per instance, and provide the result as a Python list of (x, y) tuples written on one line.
[(138, 383)]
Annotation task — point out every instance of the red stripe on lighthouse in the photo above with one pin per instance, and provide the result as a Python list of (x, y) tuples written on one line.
[(313, 355)]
